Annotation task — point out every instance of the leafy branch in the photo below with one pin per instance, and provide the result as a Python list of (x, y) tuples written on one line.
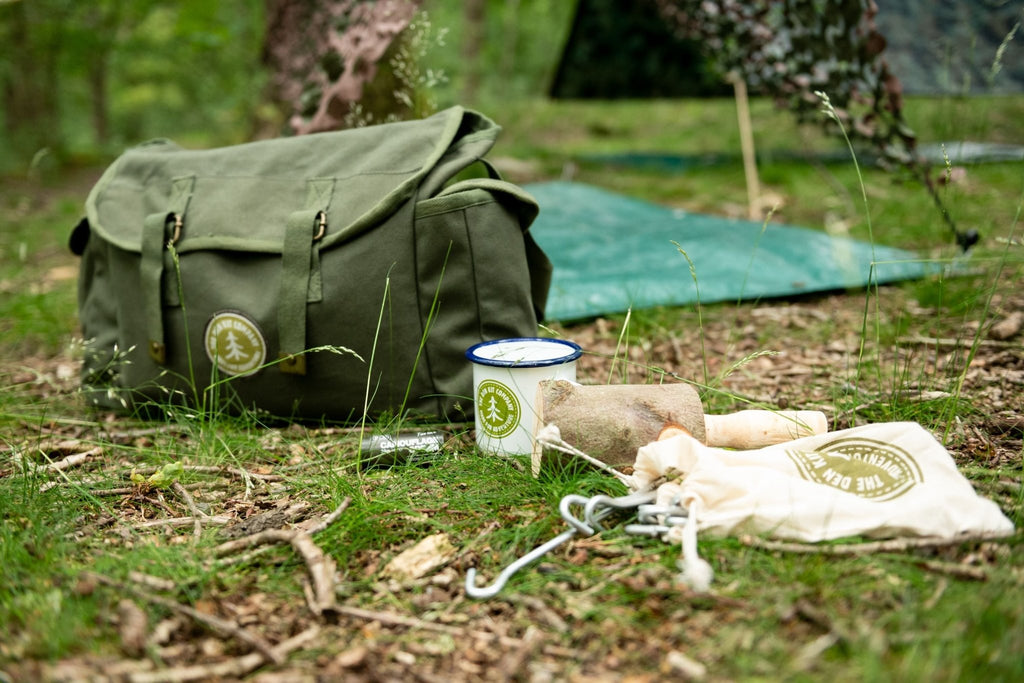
[(791, 49)]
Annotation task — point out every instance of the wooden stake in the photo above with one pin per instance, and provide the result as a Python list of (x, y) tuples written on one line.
[(747, 146), (611, 421)]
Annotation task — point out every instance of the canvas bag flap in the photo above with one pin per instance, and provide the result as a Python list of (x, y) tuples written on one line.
[(357, 177), (297, 236)]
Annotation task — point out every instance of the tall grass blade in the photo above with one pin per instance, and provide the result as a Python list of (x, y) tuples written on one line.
[(997, 61), (700, 319), (623, 336), (370, 366), (435, 305), (753, 253)]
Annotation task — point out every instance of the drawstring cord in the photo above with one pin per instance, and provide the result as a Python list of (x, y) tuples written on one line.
[(696, 571)]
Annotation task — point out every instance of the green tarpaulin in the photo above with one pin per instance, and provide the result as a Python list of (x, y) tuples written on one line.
[(612, 253)]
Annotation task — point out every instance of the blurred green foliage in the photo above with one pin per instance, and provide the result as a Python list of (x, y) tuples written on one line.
[(521, 44), (82, 80)]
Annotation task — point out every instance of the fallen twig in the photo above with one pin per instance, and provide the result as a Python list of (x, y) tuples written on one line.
[(329, 519), (231, 668), (125, 435), (197, 526), (1006, 423), (391, 619), (807, 657), (126, 490), (67, 462), (957, 343), (132, 626), (320, 565), (213, 469), (516, 661), (73, 460), (152, 582), (117, 491), (216, 623), (960, 571), (273, 519), (894, 545), (907, 395), (176, 522)]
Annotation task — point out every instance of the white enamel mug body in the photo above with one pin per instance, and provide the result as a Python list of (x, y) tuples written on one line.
[(505, 377)]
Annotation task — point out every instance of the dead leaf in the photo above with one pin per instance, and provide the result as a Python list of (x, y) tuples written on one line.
[(1008, 327), (689, 669), (429, 554), (60, 273), (132, 628), (352, 658)]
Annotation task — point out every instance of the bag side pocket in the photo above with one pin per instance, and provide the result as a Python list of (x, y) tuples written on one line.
[(97, 313), (475, 284)]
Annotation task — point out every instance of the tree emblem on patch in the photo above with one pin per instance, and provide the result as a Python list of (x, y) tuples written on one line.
[(498, 408), (234, 343), (871, 469)]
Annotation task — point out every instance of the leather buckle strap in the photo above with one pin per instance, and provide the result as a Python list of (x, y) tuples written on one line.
[(159, 230), (300, 273)]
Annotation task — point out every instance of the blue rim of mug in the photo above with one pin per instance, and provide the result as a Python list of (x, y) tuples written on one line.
[(574, 351)]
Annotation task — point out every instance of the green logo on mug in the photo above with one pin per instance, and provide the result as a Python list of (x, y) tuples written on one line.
[(498, 408)]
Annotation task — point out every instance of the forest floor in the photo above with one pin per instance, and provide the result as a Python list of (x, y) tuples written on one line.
[(207, 547)]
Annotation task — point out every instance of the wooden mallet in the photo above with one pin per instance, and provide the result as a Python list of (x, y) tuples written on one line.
[(611, 421)]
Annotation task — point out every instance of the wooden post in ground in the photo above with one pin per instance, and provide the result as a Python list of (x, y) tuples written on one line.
[(747, 145)]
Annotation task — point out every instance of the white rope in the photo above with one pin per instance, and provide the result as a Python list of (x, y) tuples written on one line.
[(551, 437), (696, 573)]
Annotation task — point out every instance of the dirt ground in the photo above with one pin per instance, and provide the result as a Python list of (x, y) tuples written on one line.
[(796, 354)]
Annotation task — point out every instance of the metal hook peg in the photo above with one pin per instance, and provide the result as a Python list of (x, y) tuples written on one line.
[(565, 508), (474, 591), (600, 507), (652, 530), (596, 509)]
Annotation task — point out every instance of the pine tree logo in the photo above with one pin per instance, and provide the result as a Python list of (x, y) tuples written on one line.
[(234, 343), (497, 408)]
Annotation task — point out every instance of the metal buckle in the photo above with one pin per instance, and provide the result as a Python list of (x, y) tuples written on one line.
[(179, 222), (321, 224)]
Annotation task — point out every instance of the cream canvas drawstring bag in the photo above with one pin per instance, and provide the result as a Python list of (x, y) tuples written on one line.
[(881, 480)]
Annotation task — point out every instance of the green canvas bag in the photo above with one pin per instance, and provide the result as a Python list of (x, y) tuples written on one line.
[(217, 277)]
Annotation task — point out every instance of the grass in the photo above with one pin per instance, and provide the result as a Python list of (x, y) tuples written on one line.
[(37, 305), (810, 171), (607, 604)]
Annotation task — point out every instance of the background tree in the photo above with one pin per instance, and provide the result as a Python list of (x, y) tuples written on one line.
[(323, 56), (474, 15), (30, 46), (81, 78), (792, 49)]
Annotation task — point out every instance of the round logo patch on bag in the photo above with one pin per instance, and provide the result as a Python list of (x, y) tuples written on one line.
[(235, 343)]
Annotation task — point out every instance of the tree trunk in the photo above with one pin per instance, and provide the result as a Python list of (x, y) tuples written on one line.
[(30, 82), (511, 39), (98, 96), (321, 54), (474, 14)]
